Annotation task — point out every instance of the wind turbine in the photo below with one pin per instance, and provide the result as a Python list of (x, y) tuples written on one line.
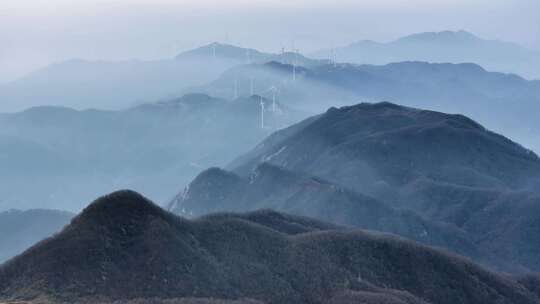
[(251, 88), (262, 112), (274, 90), (295, 51)]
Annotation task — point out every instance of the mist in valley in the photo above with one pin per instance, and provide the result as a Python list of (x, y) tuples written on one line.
[(269, 152)]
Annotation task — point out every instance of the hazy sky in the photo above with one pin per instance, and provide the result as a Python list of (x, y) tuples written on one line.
[(34, 33)]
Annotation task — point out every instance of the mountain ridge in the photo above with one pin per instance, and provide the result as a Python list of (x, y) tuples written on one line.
[(217, 190), (487, 97), (114, 85), (445, 46), (153, 253), (443, 168), (75, 155)]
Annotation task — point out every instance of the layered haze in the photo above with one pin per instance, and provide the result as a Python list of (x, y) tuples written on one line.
[(269, 151), (35, 33)]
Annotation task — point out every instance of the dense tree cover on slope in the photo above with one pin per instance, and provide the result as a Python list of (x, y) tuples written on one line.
[(124, 247)]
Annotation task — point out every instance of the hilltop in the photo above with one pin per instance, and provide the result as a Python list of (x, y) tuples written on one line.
[(123, 247)]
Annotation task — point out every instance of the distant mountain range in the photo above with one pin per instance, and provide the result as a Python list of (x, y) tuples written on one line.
[(442, 47), (436, 178), (70, 156), (124, 248), (307, 183), (112, 85), (21, 229), (505, 103)]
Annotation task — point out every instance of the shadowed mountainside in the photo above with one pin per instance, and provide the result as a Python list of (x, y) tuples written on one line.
[(70, 156), (216, 190), (397, 145), (124, 247), (446, 168), (505, 103)]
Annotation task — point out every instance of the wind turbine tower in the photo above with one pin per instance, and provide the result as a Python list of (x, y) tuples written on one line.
[(251, 88), (262, 113), (295, 51), (274, 90)]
